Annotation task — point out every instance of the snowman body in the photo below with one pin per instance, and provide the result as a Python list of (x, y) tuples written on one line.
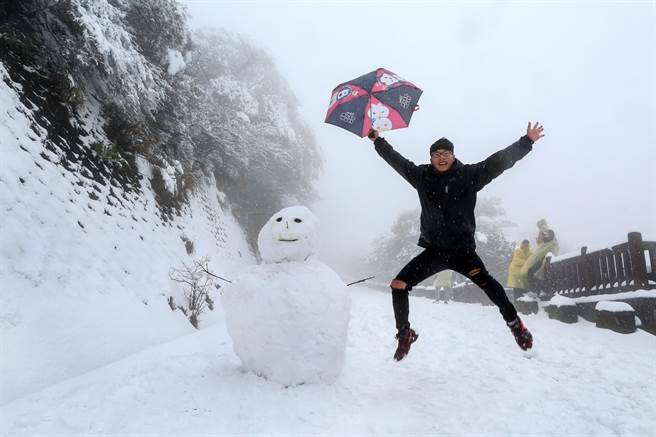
[(288, 317)]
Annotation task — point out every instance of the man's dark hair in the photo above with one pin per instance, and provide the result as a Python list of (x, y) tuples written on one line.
[(526, 242), (443, 144)]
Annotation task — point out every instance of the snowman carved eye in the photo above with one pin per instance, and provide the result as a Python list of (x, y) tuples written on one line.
[(279, 219), (298, 220)]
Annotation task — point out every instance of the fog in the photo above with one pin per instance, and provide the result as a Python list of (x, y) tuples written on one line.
[(585, 70)]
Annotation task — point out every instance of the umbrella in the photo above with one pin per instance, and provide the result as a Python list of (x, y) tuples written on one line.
[(381, 100)]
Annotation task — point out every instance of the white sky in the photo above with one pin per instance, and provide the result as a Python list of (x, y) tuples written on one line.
[(586, 70)]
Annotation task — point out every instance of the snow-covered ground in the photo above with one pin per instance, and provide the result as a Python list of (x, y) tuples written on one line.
[(464, 376)]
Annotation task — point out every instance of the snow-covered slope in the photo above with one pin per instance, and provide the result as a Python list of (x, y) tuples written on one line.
[(84, 265), (464, 377)]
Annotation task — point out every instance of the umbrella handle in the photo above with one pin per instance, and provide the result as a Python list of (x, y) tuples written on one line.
[(416, 108)]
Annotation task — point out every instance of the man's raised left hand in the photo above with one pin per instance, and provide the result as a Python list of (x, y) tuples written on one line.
[(535, 132)]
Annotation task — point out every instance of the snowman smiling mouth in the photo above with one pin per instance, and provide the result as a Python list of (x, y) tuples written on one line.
[(288, 241)]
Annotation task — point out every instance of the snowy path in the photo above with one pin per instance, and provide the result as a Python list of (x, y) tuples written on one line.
[(465, 376)]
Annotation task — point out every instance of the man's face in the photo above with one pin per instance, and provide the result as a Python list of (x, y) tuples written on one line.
[(525, 245), (442, 160)]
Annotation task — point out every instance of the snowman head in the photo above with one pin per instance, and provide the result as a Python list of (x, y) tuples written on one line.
[(289, 235)]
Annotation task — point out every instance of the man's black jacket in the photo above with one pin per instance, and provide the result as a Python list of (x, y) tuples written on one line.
[(448, 198)]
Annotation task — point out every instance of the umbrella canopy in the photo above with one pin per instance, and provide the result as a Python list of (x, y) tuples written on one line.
[(381, 100)]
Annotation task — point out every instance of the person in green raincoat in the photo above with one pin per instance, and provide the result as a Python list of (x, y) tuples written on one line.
[(533, 269)]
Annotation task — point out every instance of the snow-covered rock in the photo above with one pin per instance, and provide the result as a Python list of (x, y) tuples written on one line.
[(528, 298), (561, 301), (614, 307)]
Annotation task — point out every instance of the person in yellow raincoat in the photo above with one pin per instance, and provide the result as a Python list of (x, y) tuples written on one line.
[(515, 279), (533, 269)]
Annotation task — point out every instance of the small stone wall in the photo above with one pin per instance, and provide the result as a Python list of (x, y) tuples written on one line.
[(618, 321), (470, 293), (644, 308), (526, 307), (566, 313)]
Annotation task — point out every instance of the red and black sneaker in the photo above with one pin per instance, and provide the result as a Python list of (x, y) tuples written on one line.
[(406, 338), (522, 335)]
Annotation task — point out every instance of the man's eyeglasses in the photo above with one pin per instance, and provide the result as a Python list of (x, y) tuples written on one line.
[(444, 154)]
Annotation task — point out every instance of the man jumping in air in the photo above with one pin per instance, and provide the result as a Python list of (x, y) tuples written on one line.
[(447, 191)]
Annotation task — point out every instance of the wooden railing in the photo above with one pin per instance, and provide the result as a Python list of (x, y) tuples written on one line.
[(624, 267)]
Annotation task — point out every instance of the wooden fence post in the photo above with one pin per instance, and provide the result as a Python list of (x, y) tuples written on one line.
[(548, 277), (637, 257), (585, 284)]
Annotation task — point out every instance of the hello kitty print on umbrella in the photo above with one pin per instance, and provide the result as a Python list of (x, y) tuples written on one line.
[(380, 100)]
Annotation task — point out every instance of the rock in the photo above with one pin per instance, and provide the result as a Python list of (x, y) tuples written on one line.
[(617, 316)]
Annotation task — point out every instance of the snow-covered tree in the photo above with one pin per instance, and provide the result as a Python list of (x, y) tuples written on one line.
[(393, 249), (492, 244), (211, 104), (159, 28), (247, 127), (92, 43)]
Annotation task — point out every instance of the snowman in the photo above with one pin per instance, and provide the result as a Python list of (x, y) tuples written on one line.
[(288, 317)]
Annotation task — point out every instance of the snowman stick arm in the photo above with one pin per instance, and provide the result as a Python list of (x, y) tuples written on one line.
[(361, 280), (216, 276)]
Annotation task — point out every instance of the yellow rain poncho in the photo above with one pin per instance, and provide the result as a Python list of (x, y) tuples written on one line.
[(515, 279)]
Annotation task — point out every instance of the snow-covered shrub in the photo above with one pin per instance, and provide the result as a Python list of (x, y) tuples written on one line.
[(197, 283)]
